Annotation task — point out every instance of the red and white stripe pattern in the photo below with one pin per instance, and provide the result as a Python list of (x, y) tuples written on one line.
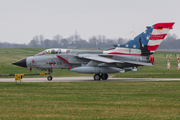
[(159, 32)]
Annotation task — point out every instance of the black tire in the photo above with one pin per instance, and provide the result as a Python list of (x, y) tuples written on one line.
[(97, 77), (49, 78), (104, 76)]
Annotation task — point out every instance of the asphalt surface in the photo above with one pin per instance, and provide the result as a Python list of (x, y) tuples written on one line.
[(85, 79)]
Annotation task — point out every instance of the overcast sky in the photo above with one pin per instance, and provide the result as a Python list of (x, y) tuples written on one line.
[(21, 20)]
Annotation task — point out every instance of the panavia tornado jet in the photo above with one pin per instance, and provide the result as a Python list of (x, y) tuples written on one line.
[(120, 58)]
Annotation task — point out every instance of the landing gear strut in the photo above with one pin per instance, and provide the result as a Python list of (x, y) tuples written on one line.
[(98, 77), (49, 78)]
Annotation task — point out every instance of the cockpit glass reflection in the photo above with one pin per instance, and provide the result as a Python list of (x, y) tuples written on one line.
[(50, 51)]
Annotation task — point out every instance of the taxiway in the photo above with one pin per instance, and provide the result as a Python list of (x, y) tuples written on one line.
[(85, 79)]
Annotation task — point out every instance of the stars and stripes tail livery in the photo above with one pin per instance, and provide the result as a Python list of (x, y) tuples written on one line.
[(145, 43)]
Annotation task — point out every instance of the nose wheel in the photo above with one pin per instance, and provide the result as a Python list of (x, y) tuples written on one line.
[(98, 77), (49, 78)]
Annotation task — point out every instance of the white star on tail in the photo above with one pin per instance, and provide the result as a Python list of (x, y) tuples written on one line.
[(127, 45), (147, 37), (134, 46)]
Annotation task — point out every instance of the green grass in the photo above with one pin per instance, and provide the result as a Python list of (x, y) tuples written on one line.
[(104, 100), (90, 100), (159, 70)]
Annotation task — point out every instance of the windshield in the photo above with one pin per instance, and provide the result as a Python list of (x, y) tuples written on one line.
[(41, 53)]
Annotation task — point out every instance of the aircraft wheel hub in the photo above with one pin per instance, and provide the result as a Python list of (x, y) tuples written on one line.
[(49, 78)]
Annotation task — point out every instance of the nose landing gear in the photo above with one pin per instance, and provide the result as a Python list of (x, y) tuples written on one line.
[(49, 78), (98, 77)]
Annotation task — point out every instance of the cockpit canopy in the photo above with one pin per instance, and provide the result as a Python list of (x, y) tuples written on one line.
[(54, 51)]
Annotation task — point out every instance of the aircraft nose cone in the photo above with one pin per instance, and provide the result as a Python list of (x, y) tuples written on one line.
[(21, 62)]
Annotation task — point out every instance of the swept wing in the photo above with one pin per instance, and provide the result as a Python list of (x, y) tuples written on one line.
[(110, 60), (98, 58)]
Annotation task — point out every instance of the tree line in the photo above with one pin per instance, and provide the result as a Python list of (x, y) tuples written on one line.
[(94, 42)]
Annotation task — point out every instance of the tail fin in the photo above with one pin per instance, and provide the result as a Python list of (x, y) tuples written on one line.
[(149, 40), (158, 34)]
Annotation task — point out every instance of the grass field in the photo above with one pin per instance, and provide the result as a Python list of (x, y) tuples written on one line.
[(159, 70), (104, 100), (90, 100)]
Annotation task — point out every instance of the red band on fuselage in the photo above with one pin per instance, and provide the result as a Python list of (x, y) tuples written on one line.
[(118, 53), (65, 61)]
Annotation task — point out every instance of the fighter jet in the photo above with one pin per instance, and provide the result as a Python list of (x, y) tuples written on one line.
[(120, 58)]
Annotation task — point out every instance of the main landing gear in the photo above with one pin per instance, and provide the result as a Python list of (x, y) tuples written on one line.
[(98, 77), (49, 78)]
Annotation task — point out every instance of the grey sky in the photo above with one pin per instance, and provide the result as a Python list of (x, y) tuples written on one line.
[(21, 20)]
